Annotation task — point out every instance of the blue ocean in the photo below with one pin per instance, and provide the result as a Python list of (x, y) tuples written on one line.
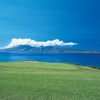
[(85, 59)]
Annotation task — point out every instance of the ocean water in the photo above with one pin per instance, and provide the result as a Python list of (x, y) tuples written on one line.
[(80, 58)]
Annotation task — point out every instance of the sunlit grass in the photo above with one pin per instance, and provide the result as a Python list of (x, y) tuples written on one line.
[(48, 81)]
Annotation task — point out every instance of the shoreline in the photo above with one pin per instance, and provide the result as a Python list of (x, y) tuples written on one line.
[(77, 64)]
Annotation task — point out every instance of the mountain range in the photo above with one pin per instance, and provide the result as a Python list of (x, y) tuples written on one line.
[(44, 49)]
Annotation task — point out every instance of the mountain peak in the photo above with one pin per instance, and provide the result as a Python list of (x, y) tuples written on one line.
[(44, 49)]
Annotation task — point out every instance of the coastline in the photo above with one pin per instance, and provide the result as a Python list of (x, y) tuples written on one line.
[(76, 64), (88, 59)]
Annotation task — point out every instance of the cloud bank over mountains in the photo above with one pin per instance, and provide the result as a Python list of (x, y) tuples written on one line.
[(16, 42)]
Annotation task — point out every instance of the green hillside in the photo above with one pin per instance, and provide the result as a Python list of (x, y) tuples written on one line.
[(48, 81)]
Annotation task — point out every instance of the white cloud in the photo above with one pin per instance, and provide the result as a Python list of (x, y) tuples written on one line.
[(16, 42)]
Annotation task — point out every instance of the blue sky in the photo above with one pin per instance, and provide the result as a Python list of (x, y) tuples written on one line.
[(68, 20)]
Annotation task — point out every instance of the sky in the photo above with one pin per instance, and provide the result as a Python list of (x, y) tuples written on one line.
[(70, 21)]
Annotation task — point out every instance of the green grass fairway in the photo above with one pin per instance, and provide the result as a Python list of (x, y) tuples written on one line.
[(48, 81)]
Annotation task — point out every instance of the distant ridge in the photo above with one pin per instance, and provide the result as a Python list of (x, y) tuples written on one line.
[(44, 49)]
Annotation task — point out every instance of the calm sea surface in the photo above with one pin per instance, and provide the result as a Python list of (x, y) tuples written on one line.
[(80, 58)]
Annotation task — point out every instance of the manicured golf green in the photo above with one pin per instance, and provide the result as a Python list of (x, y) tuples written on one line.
[(48, 81)]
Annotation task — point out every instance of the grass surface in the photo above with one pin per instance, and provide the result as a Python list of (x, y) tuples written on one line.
[(48, 81)]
